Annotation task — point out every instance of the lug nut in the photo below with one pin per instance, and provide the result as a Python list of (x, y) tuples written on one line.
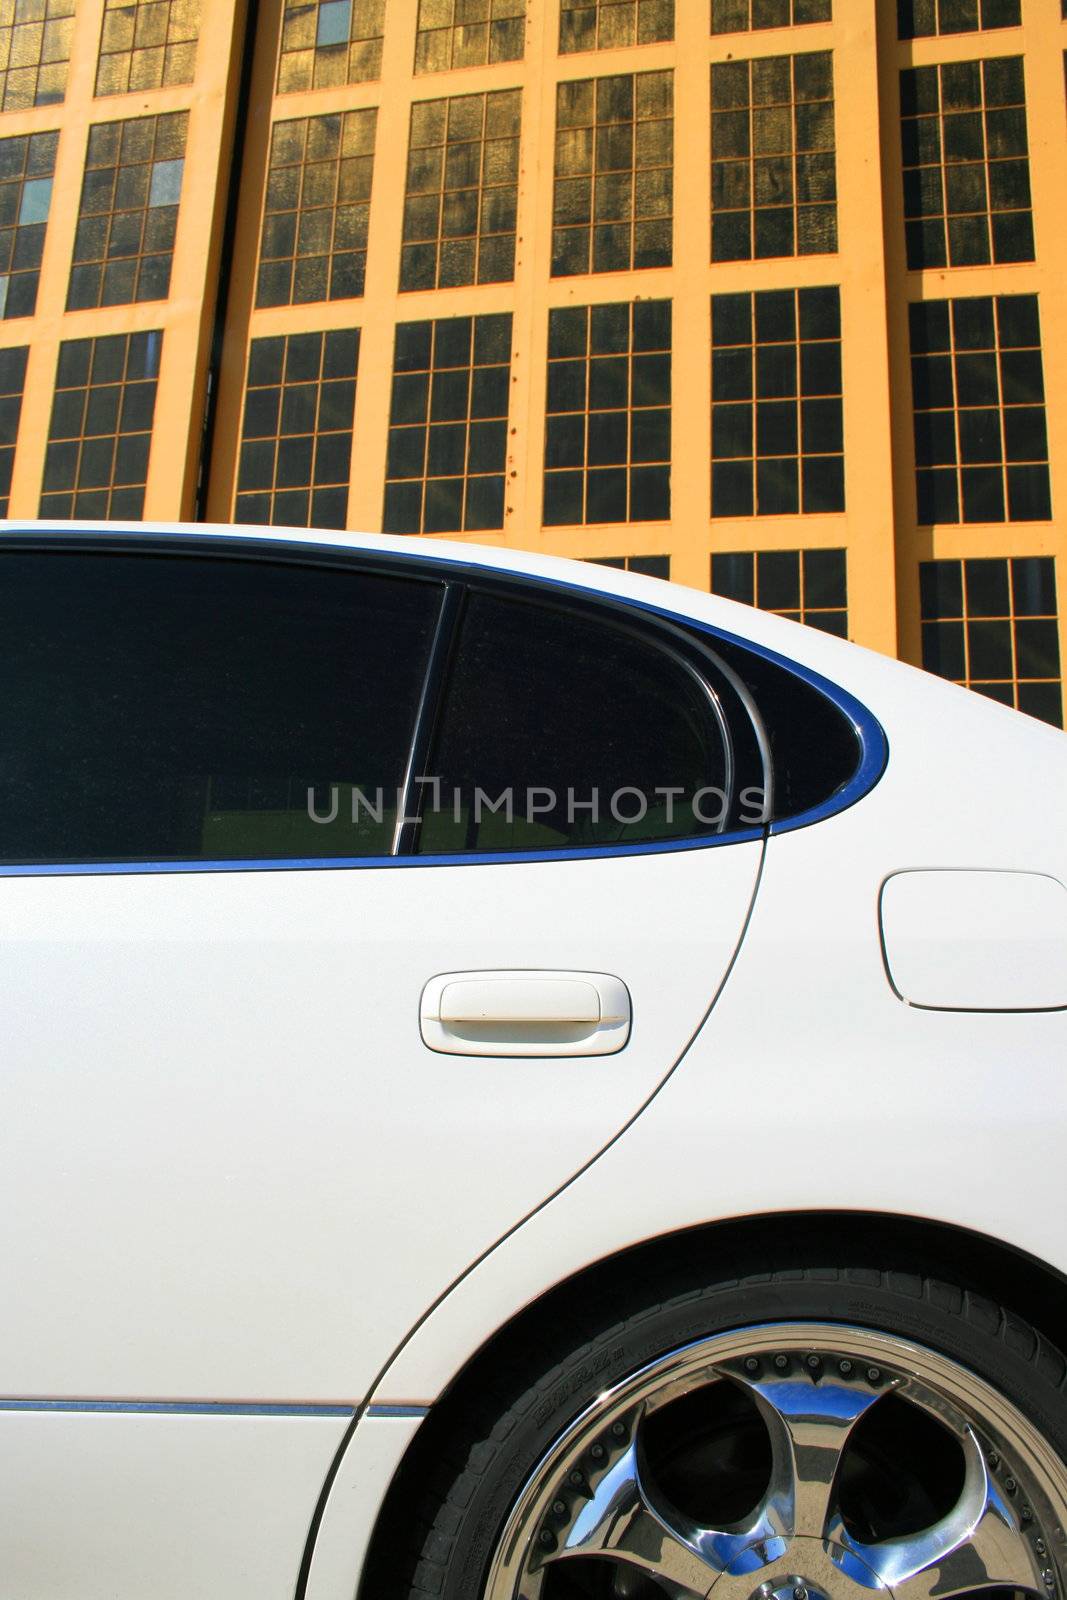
[(993, 1459), (844, 1368), (1010, 1485), (814, 1363), (597, 1452), (1039, 1546), (577, 1477), (548, 1540), (619, 1430), (751, 1364), (559, 1508), (1026, 1515), (781, 1362), (873, 1374), (800, 1593)]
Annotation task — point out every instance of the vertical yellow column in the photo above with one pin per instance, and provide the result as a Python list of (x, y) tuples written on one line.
[(861, 263), (691, 363), (186, 316), (1045, 63)]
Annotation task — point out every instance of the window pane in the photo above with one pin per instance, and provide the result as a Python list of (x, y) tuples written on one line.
[(524, 719), (180, 709)]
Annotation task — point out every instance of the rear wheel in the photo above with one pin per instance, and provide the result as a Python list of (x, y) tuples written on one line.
[(809, 1437)]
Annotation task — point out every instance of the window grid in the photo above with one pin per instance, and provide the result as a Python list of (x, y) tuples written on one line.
[(647, 566), (966, 167), (35, 40), (461, 200), (991, 625), (468, 33), (807, 586), (124, 244), (777, 407), (100, 434), (327, 43), (744, 16), (920, 19), (773, 170), (317, 212), (27, 164), (12, 381), (147, 44), (296, 436), (981, 446), (613, 198), (608, 422), (448, 425), (613, 24)]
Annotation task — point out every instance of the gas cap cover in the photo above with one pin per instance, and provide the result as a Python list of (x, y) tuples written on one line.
[(959, 940)]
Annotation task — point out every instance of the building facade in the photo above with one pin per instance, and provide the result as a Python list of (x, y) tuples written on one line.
[(763, 295)]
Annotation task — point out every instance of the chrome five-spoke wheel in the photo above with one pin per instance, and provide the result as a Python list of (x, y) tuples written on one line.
[(791, 1461)]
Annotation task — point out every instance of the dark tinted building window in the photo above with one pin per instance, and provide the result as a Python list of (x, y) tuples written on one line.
[(150, 44), (12, 379), (981, 445), (169, 708), (27, 164), (739, 16), (776, 418), (35, 41), (128, 218), (462, 191), (326, 43), (966, 166), (991, 624), (804, 585), (773, 169), (100, 433), (608, 423), (296, 437), (611, 24), (647, 566), (613, 199), (468, 33), (551, 709), (448, 425), (918, 19), (317, 210)]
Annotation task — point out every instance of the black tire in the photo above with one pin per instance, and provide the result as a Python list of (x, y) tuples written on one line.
[(469, 1508)]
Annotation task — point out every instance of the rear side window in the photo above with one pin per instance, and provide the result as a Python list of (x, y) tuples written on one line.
[(559, 731), (179, 708), (814, 748)]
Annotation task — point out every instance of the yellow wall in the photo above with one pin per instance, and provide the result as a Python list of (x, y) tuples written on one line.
[(878, 529)]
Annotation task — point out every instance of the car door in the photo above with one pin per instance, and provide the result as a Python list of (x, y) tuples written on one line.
[(224, 1137)]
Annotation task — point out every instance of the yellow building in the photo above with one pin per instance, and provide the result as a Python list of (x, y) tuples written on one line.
[(766, 294)]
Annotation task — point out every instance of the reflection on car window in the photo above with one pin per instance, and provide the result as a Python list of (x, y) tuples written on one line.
[(181, 708), (560, 732)]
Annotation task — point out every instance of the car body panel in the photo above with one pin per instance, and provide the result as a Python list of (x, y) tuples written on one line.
[(247, 1103), (100, 1505)]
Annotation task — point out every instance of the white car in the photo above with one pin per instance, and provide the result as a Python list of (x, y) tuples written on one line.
[(518, 1082)]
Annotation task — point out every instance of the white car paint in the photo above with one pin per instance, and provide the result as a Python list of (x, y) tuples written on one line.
[(976, 941), (225, 1144)]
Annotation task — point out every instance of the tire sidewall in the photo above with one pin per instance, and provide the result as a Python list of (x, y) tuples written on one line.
[(967, 1329)]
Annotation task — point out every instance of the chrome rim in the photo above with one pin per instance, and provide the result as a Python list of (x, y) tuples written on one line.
[(791, 1462)]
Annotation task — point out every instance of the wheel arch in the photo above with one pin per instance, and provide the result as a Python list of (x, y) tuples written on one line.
[(732, 1248)]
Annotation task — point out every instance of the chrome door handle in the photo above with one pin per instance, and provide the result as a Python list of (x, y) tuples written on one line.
[(525, 1013)]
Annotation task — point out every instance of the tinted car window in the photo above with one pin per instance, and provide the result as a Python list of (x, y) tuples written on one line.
[(814, 747), (560, 731), (180, 708)]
